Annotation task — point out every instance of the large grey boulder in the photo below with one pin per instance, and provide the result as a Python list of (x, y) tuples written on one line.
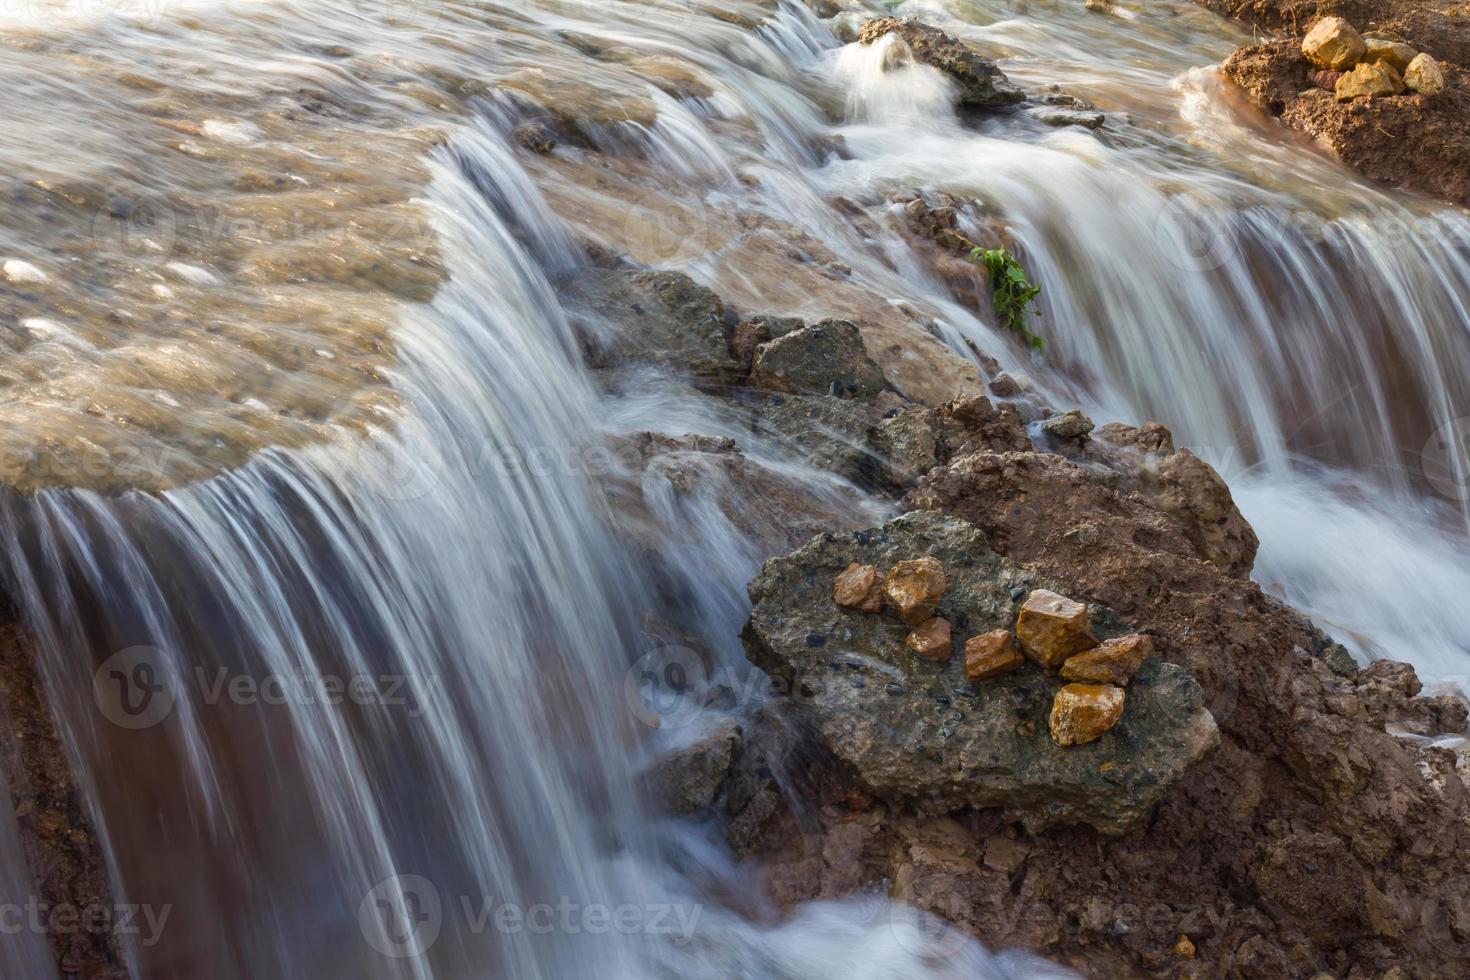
[(664, 318), (916, 733), (826, 358)]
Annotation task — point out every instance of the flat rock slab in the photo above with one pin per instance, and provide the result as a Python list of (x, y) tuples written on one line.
[(917, 733)]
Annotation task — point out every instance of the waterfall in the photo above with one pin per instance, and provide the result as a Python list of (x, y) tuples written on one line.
[(484, 615), (356, 706)]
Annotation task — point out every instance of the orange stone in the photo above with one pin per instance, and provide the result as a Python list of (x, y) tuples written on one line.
[(914, 588), (1081, 713), (931, 640), (860, 588), (1111, 661), (1184, 947), (990, 655), (1052, 628)]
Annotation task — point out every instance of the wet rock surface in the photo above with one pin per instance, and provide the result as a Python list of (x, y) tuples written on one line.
[(913, 731), (689, 778), (861, 770), (826, 358), (657, 317), (981, 84)]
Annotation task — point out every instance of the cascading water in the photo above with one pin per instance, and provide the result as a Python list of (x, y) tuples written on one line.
[(1248, 294), (488, 614)]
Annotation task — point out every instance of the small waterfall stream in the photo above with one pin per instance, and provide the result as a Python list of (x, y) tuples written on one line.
[(336, 706)]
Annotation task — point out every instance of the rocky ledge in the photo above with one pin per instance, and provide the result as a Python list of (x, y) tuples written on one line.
[(1324, 834), (915, 731)]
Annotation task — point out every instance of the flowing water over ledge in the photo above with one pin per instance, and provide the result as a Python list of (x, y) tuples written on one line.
[(281, 263)]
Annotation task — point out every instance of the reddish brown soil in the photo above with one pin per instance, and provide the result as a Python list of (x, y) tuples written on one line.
[(62, 851), (1420, 142)]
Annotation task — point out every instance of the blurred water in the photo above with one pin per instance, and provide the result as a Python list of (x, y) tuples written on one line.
[(340, 494)]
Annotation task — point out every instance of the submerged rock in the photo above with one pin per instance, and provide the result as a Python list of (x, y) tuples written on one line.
[(689, 778), (830, 433), (981, 83), (914, 732), (1063, 116), (662, 318)]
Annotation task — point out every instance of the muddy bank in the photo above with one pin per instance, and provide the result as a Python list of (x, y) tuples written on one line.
[(1382, 86)]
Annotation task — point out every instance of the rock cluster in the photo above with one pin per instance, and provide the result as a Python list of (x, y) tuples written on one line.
[(1050, 629), (1362, 67), (915, 725), (1368, 66), (1390, 103)]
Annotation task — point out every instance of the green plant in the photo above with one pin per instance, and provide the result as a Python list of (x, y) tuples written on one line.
[(1011, 292)]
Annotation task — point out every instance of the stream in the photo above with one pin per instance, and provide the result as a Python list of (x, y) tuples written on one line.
[(304, 448)]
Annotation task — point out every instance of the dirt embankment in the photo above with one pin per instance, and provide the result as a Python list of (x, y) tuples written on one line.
[(1363, 97)]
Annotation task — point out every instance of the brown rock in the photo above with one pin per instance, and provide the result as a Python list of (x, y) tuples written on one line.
[(1326, 80), (1334, 44), (859, 588), (746, 337), (1367, 80), (914, 588), (931, 640), (1395, 53), (990, 655), (1111, 662), (1052, 628), (1082, 713), (1424, 75)]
